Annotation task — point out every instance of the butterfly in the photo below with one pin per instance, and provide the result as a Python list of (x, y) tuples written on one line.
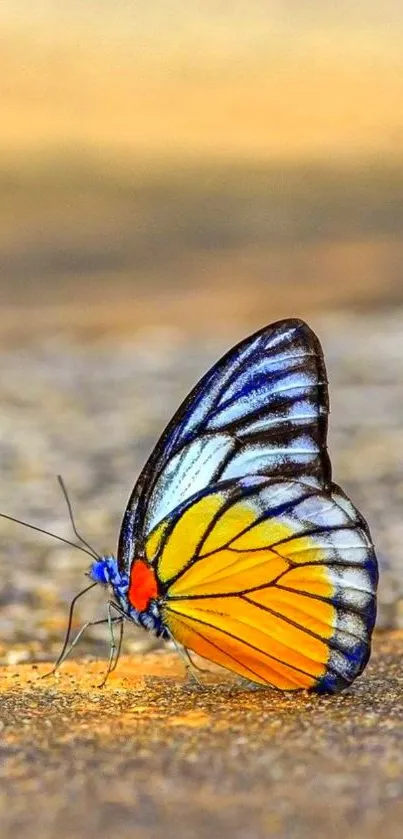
[(235, 543)]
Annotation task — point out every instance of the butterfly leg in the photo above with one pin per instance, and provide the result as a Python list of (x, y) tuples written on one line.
[(190, 669), (193, 663), (62, 655), (67, 649), (114, 651), (119, 648)]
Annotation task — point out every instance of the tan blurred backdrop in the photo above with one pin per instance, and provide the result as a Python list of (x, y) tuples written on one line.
[(200, 164)]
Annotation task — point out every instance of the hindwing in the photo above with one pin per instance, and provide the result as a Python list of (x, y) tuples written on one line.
[(275, 580)]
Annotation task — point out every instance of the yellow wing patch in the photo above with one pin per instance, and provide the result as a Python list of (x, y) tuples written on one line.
[(242, 619), (312, 580), (237, 518), (264, 534), (302, 549), (154, 540), (228, 572), (186, 535), (236, 654), (242, 604), (299, 609), (260, 594)]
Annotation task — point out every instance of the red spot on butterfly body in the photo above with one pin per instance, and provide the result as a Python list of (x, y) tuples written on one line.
[(143, 585)]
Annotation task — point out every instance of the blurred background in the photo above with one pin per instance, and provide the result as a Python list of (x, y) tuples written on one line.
[(213, 154), (173, 176)]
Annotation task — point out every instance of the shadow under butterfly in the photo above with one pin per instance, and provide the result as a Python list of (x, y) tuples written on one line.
[(235, 543)]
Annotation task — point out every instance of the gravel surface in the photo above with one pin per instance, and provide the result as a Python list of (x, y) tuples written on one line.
[(154, 757), (92, 412)]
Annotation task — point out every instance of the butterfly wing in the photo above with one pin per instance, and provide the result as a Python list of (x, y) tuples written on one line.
[(273, 579), (262, 409)]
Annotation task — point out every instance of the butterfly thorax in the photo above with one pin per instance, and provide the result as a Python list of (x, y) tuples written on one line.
[(137, 595)]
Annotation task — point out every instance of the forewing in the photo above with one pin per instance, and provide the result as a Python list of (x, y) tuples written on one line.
[(261, 410), (275, 580)]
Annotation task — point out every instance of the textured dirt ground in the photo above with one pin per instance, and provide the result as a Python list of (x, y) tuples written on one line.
[(153, 755)]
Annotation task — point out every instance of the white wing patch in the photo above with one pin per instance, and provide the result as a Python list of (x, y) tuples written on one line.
[(195, 467), (256, 460)]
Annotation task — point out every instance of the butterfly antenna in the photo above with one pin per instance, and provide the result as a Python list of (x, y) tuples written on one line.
[(73, 524), (90, 553)]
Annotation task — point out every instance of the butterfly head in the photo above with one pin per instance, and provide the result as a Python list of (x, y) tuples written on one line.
[(136, 595), (104, 570)]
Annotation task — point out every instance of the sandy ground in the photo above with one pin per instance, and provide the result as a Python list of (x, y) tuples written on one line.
[(152, 755)]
